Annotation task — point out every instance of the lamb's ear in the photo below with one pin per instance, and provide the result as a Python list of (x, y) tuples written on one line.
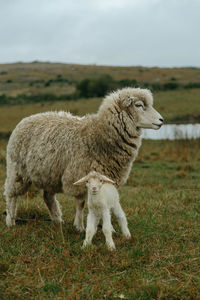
[(81, 181), (129, 101), (107, 180)]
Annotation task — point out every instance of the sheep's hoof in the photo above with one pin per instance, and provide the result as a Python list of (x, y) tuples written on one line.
[(57, 220), (9, 221), (113, 230)]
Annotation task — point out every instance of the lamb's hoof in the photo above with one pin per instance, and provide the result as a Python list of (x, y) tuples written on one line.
[(79, 228), (86, 245), (111, 247), (127, 235), (9, 221)]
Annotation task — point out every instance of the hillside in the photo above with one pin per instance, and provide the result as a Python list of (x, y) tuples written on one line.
[(60, 79)]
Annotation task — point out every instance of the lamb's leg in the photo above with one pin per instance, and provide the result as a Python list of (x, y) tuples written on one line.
[(78, 221), (11, 210), (121, 217), (107, 229), (92, 222), (54, 207)]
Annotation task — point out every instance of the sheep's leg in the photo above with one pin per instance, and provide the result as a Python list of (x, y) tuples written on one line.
[(107, 230), (78, 221), (54, 207), (11, 210), (14, 186), (121, 217), (92, 222)]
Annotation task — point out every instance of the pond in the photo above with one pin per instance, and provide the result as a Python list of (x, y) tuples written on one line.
[(173, 132)]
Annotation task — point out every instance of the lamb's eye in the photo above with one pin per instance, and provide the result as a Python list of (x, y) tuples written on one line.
[(86, 181), (101, 180)]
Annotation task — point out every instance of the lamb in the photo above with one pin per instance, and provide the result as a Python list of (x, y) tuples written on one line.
[(51, 150), (102, 198)]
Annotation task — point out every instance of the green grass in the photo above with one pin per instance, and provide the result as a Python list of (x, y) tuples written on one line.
[(161, 261), (160, 199), (179, 106)]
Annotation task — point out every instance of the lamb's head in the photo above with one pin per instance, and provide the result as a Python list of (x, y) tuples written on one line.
[(136, 105), (94, 182)]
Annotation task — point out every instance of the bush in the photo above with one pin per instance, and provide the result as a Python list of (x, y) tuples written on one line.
[(95, 87), (58, 79), (192, 85), (156, 86), (3, 99), (171, 85), (173, 78)]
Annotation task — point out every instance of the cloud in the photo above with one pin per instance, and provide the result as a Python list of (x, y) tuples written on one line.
[(115, 32)]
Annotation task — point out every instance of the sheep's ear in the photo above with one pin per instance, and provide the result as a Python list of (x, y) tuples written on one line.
[(129, 101), (107, 180), (81, 181)]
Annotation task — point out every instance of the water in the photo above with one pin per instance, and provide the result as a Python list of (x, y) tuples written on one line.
[(173, 132)]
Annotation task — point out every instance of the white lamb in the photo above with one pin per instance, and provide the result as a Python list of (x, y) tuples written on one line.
[(102, 198)]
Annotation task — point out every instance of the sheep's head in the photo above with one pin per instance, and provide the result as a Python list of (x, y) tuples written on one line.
[(136, 106), (140, 107), (94, 182)]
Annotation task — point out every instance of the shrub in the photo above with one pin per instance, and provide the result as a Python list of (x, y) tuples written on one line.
[(156, 87), (171, 85), (3, 99), (95, 87), (192, 85), (83, 87), (173, 78)]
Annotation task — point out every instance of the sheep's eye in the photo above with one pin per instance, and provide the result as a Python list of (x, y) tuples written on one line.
[(139, 105), (86, 181), (101, 180)]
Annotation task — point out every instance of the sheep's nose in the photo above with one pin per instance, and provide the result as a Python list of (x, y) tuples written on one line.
[(161, 120), (94, 189)]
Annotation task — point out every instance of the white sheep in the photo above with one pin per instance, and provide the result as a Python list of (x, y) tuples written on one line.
[(51, 150), (102, 198)]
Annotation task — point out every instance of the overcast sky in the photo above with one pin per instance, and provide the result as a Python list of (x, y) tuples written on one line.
[(103, 32)]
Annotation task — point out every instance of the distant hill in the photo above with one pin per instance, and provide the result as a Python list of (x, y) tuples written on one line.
[(59, 79)]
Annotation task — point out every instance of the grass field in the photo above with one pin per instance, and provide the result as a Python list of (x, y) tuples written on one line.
[(162, 204), (161, 261)]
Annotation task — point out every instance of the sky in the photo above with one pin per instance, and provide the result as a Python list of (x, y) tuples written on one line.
[(163, 33)]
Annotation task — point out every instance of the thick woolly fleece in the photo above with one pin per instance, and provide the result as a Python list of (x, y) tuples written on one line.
[(54, 149)]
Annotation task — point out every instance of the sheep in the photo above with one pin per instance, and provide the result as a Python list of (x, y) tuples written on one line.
[(52, 149), (102, 198)]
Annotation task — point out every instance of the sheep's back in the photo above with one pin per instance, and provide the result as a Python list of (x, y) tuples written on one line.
[(42, 145)]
